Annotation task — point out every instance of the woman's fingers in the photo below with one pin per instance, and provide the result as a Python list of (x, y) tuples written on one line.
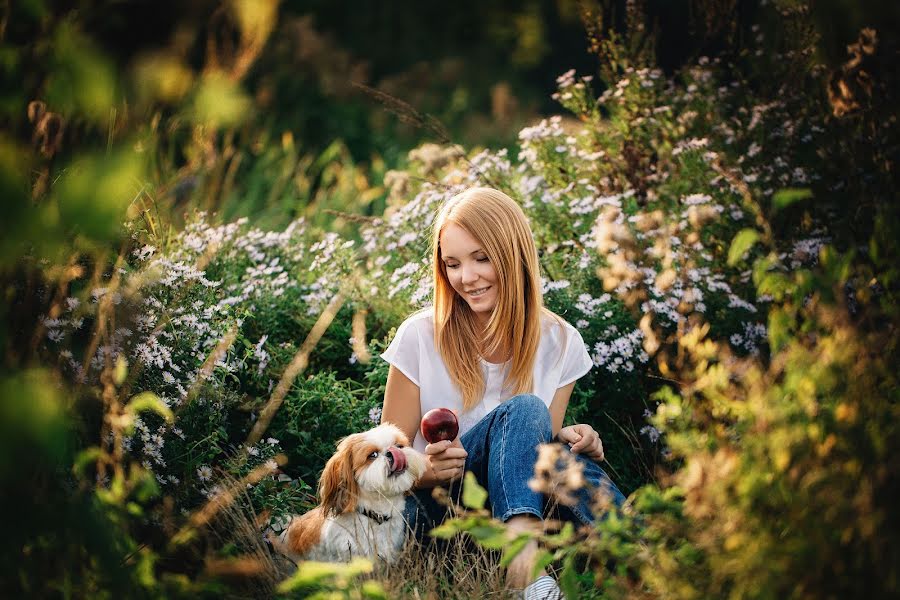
[(588, 444)]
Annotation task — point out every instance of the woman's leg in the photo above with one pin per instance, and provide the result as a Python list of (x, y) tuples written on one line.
[(502, 451), (599, 488)]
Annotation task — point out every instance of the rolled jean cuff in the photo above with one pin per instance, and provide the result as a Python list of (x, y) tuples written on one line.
[(525, 510)]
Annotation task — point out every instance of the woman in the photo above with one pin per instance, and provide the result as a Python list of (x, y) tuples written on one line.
[(490, 351)]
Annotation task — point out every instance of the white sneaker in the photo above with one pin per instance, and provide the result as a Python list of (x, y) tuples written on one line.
[(542, 588)]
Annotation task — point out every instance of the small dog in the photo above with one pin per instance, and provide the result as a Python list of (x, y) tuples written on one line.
[(361, 495)]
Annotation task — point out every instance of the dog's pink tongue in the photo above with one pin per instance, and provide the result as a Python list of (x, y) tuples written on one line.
[(399, 459)]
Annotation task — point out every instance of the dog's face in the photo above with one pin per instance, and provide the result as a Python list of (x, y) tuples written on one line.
[(374, 464)]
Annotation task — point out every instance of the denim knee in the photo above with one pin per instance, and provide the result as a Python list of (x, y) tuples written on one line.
[(529, 411)]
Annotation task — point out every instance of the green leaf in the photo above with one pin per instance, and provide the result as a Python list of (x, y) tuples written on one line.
[(373, 589), (445, 531), (94, 192), (568, 580), (86, 458), (779, 329), (121, 370), (784, 198), (563, 536), (310, 573), (220, 102), (544, 558), (513, 549), (152, 402), (741, 243), (473, 495), (489, 535)]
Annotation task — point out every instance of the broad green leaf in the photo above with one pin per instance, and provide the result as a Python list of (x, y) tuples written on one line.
[(741, 243), (473, 496), (786, 197)]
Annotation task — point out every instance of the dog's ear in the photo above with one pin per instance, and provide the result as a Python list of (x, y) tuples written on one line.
[(338, 490)]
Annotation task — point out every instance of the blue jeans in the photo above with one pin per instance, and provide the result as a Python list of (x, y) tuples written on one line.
[(502, 451)]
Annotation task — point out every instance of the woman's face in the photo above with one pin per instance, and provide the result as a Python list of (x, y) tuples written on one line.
[(469, 270)]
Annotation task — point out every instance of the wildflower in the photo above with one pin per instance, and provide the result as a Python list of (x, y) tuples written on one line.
[(204, 473), (375, 415), (557, 474)]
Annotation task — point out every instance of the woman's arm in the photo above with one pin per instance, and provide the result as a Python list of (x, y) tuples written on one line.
[(559, 405), (401, 403), (581, 438), (402, 407)]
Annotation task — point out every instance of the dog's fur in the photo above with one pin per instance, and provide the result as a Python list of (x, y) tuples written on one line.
[(361, 494)]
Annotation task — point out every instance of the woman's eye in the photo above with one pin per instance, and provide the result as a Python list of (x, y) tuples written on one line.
[(483, 259), (452, 266)]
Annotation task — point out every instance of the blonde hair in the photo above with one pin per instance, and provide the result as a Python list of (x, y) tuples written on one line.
[(497, 222)]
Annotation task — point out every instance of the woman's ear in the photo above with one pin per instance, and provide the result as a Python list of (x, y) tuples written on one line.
[(338, 490)]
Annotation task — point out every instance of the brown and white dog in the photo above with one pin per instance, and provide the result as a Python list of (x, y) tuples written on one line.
[(361, 499)]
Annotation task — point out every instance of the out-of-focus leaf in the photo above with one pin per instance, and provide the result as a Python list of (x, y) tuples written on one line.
[(93, 194), (514, 548), (784, 198), (444, 531), (161, 77), (568, 580), (86, 458), (19, 216), (152, 402), (121, 371), (473, 495), (741, 243), (256, 19), (82, 80), (310, 573), (32, 421), (220, 102), (779, 329), (373, 589)]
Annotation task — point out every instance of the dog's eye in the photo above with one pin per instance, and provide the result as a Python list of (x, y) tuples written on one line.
[(374, 455)]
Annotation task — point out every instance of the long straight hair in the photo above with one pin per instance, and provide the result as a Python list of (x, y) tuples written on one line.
[(497, 222)]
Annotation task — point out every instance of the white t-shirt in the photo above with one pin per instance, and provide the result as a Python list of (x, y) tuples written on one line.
[(561, 359)]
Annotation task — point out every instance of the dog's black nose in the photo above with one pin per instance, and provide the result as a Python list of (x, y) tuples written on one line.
[(390, 459)]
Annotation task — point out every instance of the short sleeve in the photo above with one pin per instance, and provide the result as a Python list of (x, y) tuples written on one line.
[(577, 361), (403, 351)]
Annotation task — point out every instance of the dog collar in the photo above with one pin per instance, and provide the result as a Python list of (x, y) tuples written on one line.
[(375, 516)]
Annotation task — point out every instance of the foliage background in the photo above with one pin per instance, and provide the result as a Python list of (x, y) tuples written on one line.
[(213, 216)]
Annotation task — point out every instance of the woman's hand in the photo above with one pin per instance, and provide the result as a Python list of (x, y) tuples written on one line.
[(582, 439), (446, 462)]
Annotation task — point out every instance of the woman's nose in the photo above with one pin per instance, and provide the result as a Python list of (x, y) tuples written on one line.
[(469, 275)]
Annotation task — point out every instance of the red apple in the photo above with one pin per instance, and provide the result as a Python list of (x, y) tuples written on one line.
[(439, 424)]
